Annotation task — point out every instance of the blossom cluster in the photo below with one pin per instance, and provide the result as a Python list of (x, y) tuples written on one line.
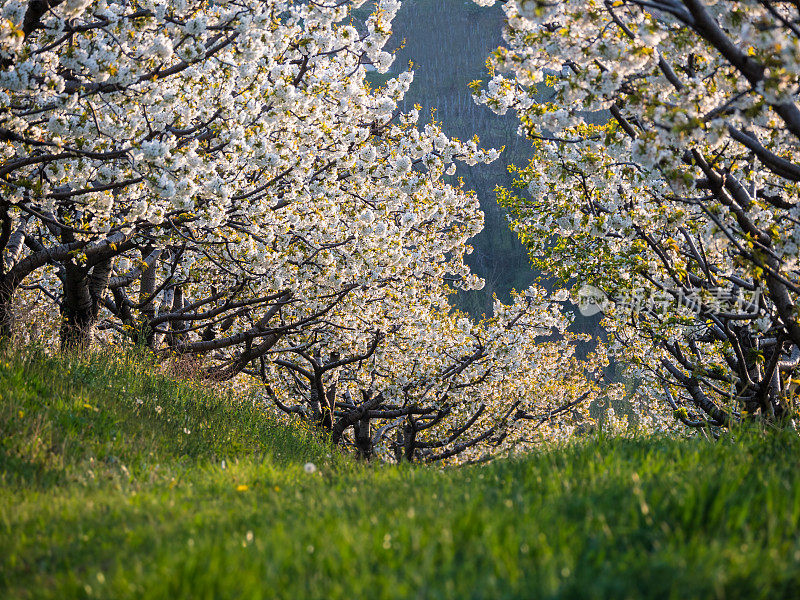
[(220, 180), (667, 152)]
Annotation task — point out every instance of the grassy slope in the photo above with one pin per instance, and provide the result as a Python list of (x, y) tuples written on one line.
[(103, 497)]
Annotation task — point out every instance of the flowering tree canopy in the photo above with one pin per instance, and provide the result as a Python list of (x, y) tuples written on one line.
[(219, 179), (665, 182)]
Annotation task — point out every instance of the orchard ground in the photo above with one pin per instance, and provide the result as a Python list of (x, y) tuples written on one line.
[(119, 482)]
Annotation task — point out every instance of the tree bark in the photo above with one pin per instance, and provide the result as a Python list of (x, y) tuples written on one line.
[(147, 290), (77, 321), (363, 437), (175, 336), (6, 312), (84, 288)]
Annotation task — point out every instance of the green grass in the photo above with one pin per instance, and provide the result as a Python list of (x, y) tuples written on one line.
[(101, 496)]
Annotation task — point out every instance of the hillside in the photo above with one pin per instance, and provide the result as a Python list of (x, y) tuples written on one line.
[(448, 42), (119, 482)]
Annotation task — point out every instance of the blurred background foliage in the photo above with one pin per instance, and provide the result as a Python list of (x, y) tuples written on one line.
[(447, 41)]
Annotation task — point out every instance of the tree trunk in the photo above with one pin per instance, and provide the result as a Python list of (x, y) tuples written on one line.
[(167, 303), (405, 443), (147, 290), (363, 437), (80, 306), (6, 312), (410, 439), (175, 336), (77, 315)]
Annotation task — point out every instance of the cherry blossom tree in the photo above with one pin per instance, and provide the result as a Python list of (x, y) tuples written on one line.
[(664, 182), (111, 150), (433, 385), (219, 180)]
